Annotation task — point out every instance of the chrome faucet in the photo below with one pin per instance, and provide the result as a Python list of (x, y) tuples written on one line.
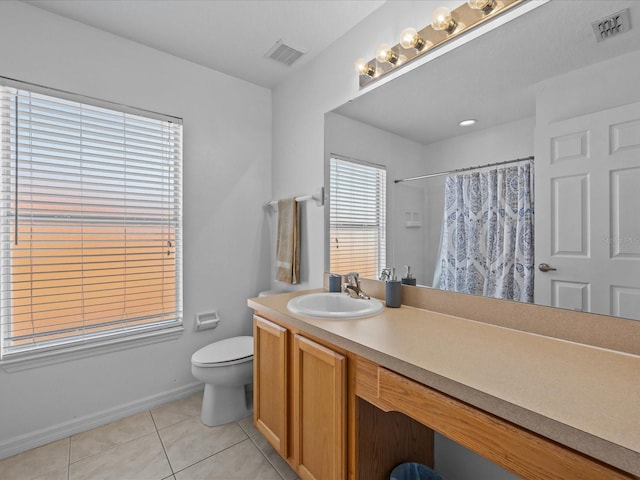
[(352, 287)]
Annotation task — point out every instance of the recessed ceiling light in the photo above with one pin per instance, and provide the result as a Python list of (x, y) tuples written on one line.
[(468, 123)]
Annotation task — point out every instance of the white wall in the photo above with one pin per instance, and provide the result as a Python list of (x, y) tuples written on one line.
[(227, 171), (604, 85), (299, 105)]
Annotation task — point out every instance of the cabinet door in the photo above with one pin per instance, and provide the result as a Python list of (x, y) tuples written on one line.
[(319, 411), (270, 382)]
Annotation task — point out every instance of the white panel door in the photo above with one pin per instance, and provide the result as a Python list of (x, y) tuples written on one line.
[(587, 198)]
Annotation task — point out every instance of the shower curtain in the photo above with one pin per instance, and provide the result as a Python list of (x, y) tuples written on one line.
[(487, 234)]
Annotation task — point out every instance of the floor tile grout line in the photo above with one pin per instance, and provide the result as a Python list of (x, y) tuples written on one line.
[(246, 431), (115, 445), (69, 459), (247, 435), (112, 447), (125, 443), (189, 417), (214, 454), (162, 444), (267, 458), (68, 439)]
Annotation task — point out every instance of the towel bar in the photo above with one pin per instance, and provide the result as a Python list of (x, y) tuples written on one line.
[(318, 197)]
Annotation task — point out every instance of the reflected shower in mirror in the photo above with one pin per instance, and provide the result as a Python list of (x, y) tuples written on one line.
[(537, 88), (486, 243)]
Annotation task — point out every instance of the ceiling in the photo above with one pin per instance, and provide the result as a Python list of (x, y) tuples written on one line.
[(230, 36), (493, 79)]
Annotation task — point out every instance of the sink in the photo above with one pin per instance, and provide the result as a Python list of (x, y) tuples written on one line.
[(333, 305)]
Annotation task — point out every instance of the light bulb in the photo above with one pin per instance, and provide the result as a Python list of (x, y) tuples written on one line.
[(384, 53), (442, 20), (363, 68), (409, 38), (486, 6)]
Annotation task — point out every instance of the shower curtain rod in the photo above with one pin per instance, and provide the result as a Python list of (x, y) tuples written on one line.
[(419, 177)]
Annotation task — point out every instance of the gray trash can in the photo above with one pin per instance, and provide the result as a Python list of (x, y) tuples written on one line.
[(413, 471)]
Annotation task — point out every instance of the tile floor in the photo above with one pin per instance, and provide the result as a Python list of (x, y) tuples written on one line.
[(168, 442)]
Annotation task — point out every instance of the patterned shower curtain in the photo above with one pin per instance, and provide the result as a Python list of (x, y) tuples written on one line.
[(487, 234)]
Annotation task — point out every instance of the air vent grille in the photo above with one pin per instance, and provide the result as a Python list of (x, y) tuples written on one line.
[(283, 53), (611, 25)]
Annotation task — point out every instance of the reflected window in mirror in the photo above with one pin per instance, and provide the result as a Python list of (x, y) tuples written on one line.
[(357, 217)]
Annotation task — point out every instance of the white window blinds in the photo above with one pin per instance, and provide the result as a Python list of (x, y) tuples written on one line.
[(357, 217), (91, 223)]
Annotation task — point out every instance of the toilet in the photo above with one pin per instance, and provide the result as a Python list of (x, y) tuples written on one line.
[(225, 367)]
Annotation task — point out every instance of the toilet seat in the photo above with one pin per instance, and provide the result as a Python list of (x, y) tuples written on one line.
[(225, 352)]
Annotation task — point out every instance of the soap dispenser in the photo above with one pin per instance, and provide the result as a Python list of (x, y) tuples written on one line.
[(408, 278), (393, 290)]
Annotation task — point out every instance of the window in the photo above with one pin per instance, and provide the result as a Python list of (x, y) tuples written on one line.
[(357, 217), (91, 220)]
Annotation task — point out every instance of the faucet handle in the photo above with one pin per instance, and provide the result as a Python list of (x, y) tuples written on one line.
[(352, 287), (356, 279)]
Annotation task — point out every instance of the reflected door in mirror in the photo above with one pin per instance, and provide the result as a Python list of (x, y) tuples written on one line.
[(588, 215)]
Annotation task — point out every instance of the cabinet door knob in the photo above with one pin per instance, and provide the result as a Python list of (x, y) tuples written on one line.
[(545, 267)]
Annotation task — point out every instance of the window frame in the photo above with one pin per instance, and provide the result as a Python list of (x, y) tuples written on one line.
[(114, 339), (382, 246)]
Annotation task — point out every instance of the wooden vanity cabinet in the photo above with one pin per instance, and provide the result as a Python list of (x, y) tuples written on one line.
[(300, 400), (356, 411), (319, 410), (270, 383)]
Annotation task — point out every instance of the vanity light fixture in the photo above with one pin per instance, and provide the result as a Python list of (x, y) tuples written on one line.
[(364, 68), (446, 24), (485, 6), (384, 53), (410, 38), (468, 122), (443, 20)]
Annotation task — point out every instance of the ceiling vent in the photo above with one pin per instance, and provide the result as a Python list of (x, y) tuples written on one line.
[(612, 25), (283, 53)]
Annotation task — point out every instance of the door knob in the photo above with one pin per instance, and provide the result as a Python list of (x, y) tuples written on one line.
[(545, 267)]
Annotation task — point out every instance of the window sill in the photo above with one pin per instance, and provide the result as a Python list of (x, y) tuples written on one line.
[(52, 357)]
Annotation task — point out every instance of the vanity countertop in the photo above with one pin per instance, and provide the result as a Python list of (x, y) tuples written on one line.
[(584, 397)]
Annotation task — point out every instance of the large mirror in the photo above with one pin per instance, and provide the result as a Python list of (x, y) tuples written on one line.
[(539, 86)]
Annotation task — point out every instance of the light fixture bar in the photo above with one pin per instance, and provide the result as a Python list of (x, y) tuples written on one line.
[(464, 18)]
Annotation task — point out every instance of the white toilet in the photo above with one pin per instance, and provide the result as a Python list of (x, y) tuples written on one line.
[(225, 367)]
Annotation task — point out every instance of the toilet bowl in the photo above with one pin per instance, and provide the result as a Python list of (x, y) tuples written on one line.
[(226, 368)]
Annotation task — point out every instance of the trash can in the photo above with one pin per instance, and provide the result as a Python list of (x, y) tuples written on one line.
[(413, 471)]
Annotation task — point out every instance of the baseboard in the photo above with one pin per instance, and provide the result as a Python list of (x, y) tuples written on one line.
[(30, 440)]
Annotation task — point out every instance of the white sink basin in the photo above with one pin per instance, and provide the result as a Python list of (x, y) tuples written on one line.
[(333, 305)]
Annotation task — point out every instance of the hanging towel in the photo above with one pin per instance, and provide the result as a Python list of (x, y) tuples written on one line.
[(288, 248)]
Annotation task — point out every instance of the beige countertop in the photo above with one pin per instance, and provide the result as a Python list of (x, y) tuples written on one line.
[(585, 397)]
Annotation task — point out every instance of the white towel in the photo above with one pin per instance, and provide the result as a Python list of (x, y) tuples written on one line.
[(288, 248)]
